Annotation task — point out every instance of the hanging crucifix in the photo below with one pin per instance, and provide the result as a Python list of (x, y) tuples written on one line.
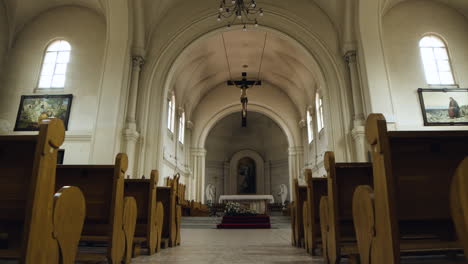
[(244, 85)]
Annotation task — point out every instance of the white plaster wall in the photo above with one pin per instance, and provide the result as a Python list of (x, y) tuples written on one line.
[(86, 32), (261, 135), (4, 35), (175, 153), (403, 27)]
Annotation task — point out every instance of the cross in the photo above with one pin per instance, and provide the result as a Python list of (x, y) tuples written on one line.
[(244, 85)]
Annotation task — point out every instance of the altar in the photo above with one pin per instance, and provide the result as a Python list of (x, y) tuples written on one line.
[(258, 203)]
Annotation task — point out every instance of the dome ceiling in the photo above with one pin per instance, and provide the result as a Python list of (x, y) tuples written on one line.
[(266, 56)]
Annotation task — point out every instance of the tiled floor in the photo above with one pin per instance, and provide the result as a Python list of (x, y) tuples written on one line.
[(209, 246)]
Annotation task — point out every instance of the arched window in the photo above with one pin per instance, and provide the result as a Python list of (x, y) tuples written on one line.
[(436, 61), (171, 114), (54, 65), (310, 127), (182, 127), (319, 111)]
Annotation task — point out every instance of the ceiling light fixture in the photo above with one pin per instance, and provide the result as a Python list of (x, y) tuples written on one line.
[(246, 11)]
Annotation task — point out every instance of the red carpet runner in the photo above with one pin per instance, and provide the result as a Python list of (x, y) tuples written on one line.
[(245, 222)]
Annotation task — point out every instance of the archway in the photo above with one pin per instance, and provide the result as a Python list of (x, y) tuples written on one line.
[(327, 69), (263, 142)]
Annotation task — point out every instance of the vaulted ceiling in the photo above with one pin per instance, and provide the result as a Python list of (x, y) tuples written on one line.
[(264, 56), (460, 5)]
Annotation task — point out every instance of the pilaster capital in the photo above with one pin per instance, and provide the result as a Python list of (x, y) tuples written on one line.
[(189, 124), (302, 123), (198, 152), (350, 57), (138, 61)]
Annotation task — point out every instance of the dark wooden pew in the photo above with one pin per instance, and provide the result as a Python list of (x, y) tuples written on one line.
[(300, 196), (459, 203), (110, 217), (172, 213), (408, 210), (37, 226), (316, 188), (150, 213), (338, 228)]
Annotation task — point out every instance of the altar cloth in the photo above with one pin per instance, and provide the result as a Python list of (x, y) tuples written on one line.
[(253, 197), (258, 203)]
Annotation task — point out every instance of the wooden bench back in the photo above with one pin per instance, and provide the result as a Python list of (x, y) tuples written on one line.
[(27, 179), (145, 194), (316, 188), (168, 196), (103, 187), (343, 178), (412, 175), (300, 196)]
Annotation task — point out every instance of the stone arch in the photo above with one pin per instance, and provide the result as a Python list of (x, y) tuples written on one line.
[(230, 186), (200, 138), (330, 72)]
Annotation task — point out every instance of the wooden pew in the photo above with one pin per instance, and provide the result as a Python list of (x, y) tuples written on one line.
[(172, 213), (150, 213), (316, 188), (37, 226), (459, 203), (198, 209), (408, 210), (110, 217), (338, 226), (300, 195)]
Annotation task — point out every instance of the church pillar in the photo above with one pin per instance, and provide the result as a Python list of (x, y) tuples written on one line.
[(358, 132), (226, 177), (130, 133), (296, 163), (198, 164), (267, 177), (107, 128)]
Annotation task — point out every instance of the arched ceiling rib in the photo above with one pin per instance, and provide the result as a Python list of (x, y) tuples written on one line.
[(459, 5), (211, 62)]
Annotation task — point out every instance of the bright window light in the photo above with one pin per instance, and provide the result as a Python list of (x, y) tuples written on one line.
[(436, 61), (54, 66), (310, 130)]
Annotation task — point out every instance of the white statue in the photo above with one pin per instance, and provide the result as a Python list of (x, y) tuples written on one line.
[(210, 193), (283, 193)]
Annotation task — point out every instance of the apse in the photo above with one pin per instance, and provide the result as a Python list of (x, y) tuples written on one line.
[(246, 160)]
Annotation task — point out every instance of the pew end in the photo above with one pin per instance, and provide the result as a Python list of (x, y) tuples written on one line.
[(459, 203), (69, 215), (409, 221), (364, 221), (129, 224)]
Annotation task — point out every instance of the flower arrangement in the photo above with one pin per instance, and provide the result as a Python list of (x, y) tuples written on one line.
[(235, 209)]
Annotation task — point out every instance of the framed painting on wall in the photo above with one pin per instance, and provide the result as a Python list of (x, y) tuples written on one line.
[(444, 107), (34, 108)]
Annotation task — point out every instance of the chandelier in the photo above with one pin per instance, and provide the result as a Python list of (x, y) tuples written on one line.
[(245, 11)]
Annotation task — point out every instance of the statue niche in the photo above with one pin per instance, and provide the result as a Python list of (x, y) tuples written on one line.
[(246, 176)]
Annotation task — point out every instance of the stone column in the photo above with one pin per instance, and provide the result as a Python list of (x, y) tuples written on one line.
[(226, 177), (296, 163), (130, 133), (267, 177), (358, 132), (198, 168)]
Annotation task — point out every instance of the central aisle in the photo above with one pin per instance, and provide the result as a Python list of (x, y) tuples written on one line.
[(232, 246)]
